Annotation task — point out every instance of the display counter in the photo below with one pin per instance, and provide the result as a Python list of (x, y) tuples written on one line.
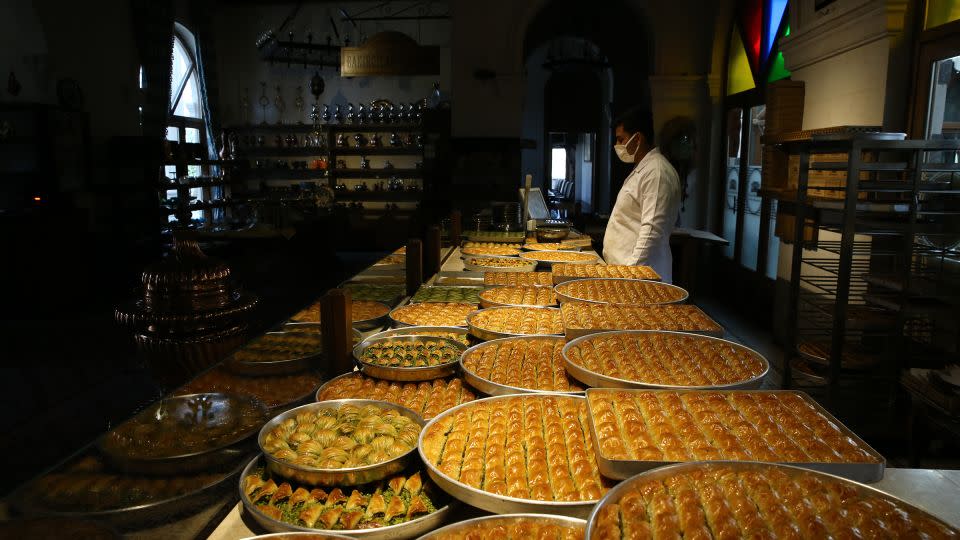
[(541, 348)]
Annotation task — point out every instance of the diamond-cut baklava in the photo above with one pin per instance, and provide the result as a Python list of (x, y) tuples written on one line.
[(563, 272), (666, 425), (434, 314), (757, 501), (621, 291), (534, 447), (666, 359), (579, 317), (520, 295), (518, 320), (572, 257), (428, 398), (516, 278), (530, 363), (499, 250)]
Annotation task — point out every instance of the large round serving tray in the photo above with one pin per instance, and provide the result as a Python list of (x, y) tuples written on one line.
[(276, 367), (543, 257), (492, 502), (221, 408), (399, 309), (663, 473), (478, 252), (159, 511), (410, 529), (487, 335), (312, 327), (498, 389), (374, 322), (422, 331), (350, 476), (550, 246), (599, 380), (529, 267), (563, 294), (407, 374), (501, 521), (485, 303)]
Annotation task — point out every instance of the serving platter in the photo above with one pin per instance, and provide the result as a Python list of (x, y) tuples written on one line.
[(362, 321), (426, 398), (566, 272), (492, 297), (507, 415), (514, 526), (518, 358), (294, 363), (345, 476), (408, 374), (583, 318), (547, 259), (816, 499), (444, 313), (456, 333), (779, 416), (669, 342), (620, 291), (477, 330), (475, 264), (408, 529)]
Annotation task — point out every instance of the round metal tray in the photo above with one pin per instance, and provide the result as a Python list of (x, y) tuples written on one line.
[(496, 389), (530, 256), (487, 335), (223, 408), (479, 268), (400, 324), (486, 304), (410, 529), (406, 374), (312, 327), (501, 520), (420, 331), (663, 473), (464, 255), (599, 380), (562, 297), (276, 367), (491, 502), (350, 476), (370, 324), (569, 247)]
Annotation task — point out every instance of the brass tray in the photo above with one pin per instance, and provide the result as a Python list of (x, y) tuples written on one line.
[(407, 374), (563, 296), (492, 388), (487, 335)]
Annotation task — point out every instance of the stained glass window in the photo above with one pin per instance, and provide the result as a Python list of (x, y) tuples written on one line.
[(754, 55), (739, 74)]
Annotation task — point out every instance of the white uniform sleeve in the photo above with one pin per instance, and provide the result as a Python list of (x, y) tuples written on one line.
[(653, 198)]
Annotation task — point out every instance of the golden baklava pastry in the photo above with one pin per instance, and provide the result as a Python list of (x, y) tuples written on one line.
[(534, 447), (392, 259), (364, 310), (434, 314), (517, 278), (467, 245), (572, 257), (427, 398), (665, 425), (497, 262), (406, 353), (310, 313), (279, 346), (621, 291), (549, 246), (272, 391), (520, 295), (529, 363), (580, 316), (758, 501), (515, 320), (666, 359), (499, 250), (563, 272), (513, 528)]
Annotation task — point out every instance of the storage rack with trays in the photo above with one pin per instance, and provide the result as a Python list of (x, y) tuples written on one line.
[(184, 181), (866, 292)]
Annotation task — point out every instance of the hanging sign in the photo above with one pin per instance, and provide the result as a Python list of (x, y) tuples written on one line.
[(389, 53)]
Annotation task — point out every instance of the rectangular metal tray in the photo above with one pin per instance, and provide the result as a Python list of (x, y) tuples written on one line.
[(573, 333), (623, 469)]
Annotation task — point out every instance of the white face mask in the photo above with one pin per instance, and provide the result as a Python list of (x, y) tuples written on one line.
[(622, 152)]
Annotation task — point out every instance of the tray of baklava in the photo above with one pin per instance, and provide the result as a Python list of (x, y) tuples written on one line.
[(277, 353), (636, 430), (517, 279), (636, 292), (368, 314), (456, 333), (550, 246), (583, 318), (277, 392), (408, 358), (518, 453), (755, 500), (378, 292), (565, 272), (509, 321), (518, 295), (432, 314), (657, 359), (426, 398), (495, 250), (491, 263), (518, 365), (404, 505), (549, 258), (446, 293), (512, 527)]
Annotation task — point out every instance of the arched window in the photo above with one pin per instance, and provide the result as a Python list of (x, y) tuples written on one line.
[(184, 90)]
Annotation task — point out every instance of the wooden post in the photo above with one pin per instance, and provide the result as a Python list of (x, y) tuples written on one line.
[(414, 265), (431, 252), (456, 228), (336, 327)]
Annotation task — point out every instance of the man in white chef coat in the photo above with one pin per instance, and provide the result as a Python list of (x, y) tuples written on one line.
[(646, 210)]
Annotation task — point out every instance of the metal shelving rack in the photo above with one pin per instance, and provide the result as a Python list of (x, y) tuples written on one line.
[(878, 288)]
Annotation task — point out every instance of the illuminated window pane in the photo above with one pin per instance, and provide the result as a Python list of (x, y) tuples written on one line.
[(941, 12), (773, 243), (739, 75), (558, 164), (192, 135), (193, 170), (943, 117), (173, 134), (731, 181), (170, 171), (751, 210), (182, 64), (189, 104)]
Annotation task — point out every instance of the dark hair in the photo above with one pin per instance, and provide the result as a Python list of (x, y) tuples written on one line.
[(637, 119)]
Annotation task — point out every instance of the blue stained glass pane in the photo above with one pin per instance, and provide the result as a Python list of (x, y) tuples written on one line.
[(772, 17)]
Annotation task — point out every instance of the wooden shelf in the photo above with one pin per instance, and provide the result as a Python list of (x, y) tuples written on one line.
[(260, 151), (286, 174), (330, 128), (374, 151), (385, 196), (375, 173)]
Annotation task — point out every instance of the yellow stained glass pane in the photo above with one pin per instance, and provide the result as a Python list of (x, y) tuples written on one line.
[(941, 12), (739, 76)]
